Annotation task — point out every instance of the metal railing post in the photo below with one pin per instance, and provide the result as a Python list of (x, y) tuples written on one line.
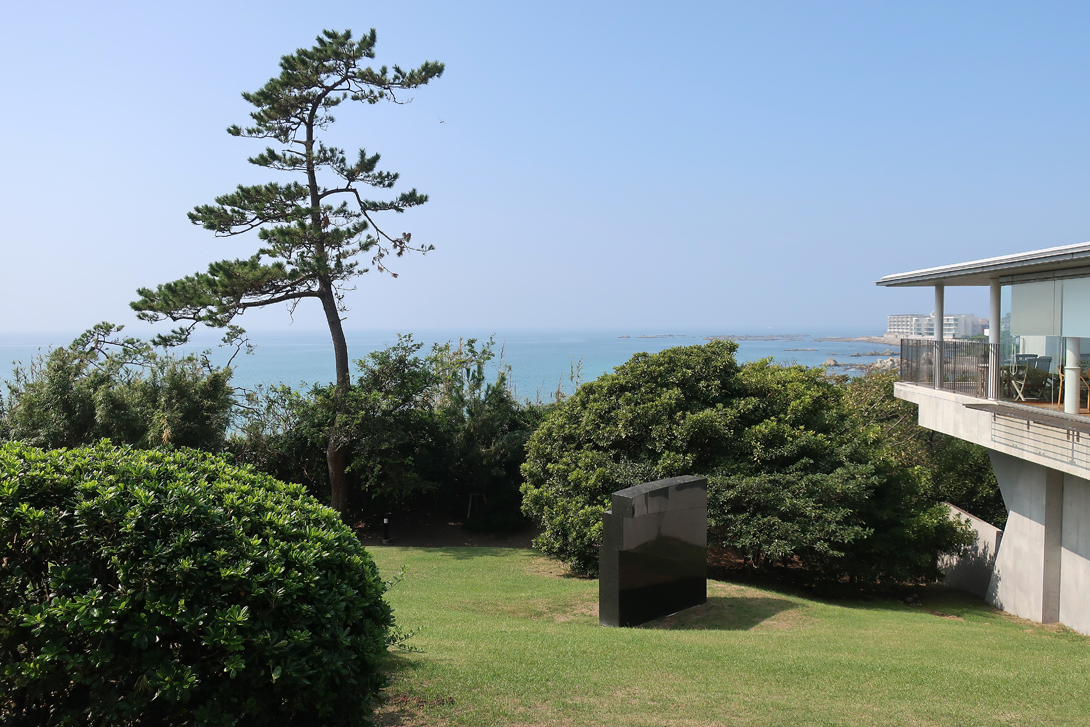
[(994, 322), (940, 316)]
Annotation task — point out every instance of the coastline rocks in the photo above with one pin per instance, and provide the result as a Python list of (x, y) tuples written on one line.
[(884, 364)]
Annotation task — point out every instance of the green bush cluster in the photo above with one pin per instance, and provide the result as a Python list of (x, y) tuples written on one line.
[(423, 432), (102, 386), (952, 470), (170, 587), (793, 478)]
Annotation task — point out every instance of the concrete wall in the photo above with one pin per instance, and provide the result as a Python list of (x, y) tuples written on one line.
[(972, 571), (1018, 581), (1075, 555)]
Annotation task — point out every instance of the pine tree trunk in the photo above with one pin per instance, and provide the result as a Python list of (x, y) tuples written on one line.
[(336, 453), (336, 460)]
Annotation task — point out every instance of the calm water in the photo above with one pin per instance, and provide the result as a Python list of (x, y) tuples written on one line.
[(540, 361)]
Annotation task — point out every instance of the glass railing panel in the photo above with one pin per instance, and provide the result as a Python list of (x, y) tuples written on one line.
[(967, 367)]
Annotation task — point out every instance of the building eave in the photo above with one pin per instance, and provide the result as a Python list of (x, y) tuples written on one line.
[(1025, 266)]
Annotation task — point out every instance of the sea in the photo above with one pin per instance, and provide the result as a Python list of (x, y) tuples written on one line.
[(540, 362)]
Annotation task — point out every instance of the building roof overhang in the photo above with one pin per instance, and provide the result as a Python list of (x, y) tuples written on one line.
[(1069, 261)]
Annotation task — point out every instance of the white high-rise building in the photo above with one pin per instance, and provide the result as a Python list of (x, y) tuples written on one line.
[(918, 325)]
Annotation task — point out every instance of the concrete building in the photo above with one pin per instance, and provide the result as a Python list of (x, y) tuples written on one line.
[(910, 325), (917, 325), (1021, 396)]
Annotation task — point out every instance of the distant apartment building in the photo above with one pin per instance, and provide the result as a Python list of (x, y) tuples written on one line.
[(910, 325), (918, 325)]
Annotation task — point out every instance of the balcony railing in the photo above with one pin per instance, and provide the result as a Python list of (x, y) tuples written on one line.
[(962, 366)]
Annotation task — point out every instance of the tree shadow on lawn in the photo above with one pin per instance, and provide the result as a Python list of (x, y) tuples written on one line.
[(732, 613), (937, 600), (474, 551)]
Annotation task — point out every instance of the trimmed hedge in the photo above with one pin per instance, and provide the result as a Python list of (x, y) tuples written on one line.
[(170, 587)]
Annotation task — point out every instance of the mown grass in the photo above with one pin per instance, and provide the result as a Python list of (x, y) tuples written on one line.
[(508, 639)]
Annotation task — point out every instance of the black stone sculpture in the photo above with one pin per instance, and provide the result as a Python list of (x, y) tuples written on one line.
[(654, 555)]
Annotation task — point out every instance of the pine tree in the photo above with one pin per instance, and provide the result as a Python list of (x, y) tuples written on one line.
[(312, 236)]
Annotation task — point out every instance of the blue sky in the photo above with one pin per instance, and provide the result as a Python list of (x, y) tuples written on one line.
[(721, 167)]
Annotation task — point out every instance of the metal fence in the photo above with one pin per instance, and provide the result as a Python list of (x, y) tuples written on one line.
[(963, 366)]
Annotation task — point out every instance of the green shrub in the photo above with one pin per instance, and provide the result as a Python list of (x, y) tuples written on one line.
[(282, 433), (170, 587), (422, 432), (659, 415), (482, 436), (953, 470), (101, 386), (792, 478)]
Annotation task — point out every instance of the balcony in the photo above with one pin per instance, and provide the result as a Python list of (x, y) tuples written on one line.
[(1024, 370)]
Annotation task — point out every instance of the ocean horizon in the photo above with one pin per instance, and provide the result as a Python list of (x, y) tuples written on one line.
[(540, 361)]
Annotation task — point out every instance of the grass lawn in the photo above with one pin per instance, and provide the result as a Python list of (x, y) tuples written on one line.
[(508, 639)]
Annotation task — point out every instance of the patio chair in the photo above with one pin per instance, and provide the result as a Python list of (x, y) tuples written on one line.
[(1084, 379), (1038, 382), (1016, 379)]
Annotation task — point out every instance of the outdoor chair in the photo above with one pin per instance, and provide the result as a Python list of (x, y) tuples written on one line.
[(1038, 383), (1084, 380), (1016, 379)]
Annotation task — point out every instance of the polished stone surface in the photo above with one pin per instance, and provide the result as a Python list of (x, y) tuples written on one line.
[(653, 559)]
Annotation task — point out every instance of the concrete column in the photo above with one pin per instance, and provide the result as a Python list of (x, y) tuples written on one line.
[(1027, 577), (1072, 385), (1075, 568), (940, 292), (994, 337), (1054, 509)]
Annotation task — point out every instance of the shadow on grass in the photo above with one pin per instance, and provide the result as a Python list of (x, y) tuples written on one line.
[(933, 597), (471, 552), (401, 705), (399, 662), (477, 552), (725, 613)]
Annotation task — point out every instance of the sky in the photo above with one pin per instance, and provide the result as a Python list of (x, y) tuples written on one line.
[(728, 167)]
